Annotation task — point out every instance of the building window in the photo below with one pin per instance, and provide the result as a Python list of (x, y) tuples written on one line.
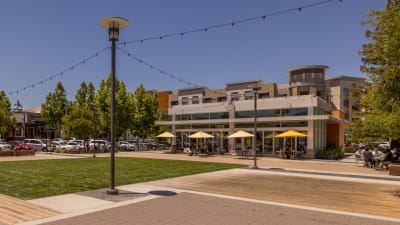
[(219, 115), (195, 100), (221, 99), (174, 103), (201, 116), (264, 95), (207, 100), (244, 114), (295, 112), (183, 117), (235, 96), (248, 95), (185, 100)]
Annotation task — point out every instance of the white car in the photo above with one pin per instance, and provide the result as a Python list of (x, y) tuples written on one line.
[(72, 145), (126, 146), (36, 144), (4, 146), (101, 145), (384, 144)]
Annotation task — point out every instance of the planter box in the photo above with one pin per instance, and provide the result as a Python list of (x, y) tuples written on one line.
[(394, 170), (17, 153)]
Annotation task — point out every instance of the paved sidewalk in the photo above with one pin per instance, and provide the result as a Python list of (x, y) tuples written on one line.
[(213, 198), (190, 209), (230, 197)]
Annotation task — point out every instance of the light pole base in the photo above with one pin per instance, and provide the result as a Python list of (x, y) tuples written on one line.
[(112, 192), (255, 167)]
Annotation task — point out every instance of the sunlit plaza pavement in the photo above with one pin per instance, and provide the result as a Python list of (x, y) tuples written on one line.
[(280, 192)]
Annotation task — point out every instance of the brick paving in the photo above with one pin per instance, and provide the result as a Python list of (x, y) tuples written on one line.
[(194, 209), (190, 207), (13, 211)]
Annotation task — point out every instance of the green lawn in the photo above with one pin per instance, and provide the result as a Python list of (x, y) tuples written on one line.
[(42, 178)]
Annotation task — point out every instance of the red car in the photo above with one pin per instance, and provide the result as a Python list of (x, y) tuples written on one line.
[(15, 145)]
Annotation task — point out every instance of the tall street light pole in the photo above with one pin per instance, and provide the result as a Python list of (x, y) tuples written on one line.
[(255, 88), (113, 24)]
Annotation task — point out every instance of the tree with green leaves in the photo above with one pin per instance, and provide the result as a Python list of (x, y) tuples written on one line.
[(82, 95), (80, 116), (381, 62), (55, 107), (78, 122), (145, 112), (7, 121), (123, 112)]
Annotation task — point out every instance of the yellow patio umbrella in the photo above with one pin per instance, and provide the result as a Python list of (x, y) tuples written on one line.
[(290, 133), (201, 134), (240, 134), (167, 134)]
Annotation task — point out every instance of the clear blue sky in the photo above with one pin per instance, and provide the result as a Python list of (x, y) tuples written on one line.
[(41, 38)]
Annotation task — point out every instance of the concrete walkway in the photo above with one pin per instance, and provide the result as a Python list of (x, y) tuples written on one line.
[(319, 193)]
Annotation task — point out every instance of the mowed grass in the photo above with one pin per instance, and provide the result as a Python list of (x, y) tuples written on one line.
[(42, 178)]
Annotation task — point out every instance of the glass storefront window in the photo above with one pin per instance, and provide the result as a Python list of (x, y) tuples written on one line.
[(294, 124), (183, 126), (269, 124), (295, 112), (269, 113), (244, 125), (183, 117), (220, 115), (200, 126), (244, 114), (200, 116)]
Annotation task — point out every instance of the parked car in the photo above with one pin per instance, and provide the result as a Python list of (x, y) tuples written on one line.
[(36, 144), (56, 145), (4, 146), (101, 145), (126, 146), (16, 145), (384, 144), (72, 145), (79, 142)]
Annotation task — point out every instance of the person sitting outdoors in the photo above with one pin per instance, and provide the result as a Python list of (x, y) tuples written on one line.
[(387, 159), (377, 157), (287, 152), (368, 158), (396, 155)]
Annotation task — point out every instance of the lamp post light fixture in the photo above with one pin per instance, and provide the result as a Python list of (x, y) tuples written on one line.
[(113, 24), (255, 88)]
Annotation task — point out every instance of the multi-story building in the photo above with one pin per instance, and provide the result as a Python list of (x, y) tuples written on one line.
[(309, 103), (30, 124)]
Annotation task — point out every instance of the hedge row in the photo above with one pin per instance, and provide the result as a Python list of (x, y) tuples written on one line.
[(17, 153)]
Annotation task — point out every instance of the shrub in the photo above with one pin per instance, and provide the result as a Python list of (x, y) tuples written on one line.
[(18, 153), (349, 149), (332, 153), (25, 152), (6, 153)]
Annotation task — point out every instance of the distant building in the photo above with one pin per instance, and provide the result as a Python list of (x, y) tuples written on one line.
[(29, 124), (309, 103)]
